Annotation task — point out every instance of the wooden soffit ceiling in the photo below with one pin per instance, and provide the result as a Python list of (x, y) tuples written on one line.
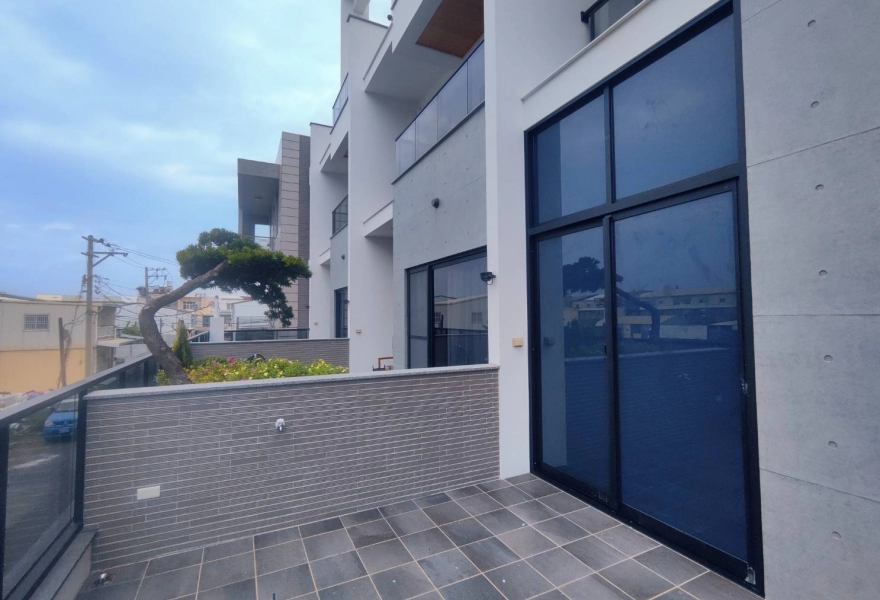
[(455, 27)]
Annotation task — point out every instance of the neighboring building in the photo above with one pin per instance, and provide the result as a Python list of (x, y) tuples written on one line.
[(273, 209), (658, 218), (30, 340)]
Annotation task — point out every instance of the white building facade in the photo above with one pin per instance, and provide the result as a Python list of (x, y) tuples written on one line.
[(648, 214)]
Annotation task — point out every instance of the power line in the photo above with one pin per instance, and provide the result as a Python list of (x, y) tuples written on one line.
[(144, 254)]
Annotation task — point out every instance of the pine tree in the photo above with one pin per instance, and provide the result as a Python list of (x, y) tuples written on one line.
[(230, 262), (182, 348)]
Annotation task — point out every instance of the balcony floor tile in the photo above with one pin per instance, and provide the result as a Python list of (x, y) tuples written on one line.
[(460, 544)]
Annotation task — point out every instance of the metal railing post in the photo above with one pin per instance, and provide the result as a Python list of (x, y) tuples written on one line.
[(80, 474), (4, 482)]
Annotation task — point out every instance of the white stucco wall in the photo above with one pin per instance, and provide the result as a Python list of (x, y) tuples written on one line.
[(326, 191)]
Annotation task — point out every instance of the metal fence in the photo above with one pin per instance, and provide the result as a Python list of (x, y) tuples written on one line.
[(42, 458)]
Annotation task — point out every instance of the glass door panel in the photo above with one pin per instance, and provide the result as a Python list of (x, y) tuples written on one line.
[(575, 406), (679, 370), (460, 320)]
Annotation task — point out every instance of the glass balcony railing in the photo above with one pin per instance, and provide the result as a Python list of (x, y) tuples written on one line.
[(341, 100), (42, 450), (459, 97)]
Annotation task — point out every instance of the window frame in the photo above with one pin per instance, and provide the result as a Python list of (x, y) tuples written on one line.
[(35, 317), (731, 177), (336, 217), (340, 312), (587, 16), (429, 268)]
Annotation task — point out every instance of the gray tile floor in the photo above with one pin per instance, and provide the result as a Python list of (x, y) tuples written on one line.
[(516, 539)]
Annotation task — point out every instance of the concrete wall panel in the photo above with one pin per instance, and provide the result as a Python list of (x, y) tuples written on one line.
[(817, 387), (829, 538), (455, 173), (824, 76), (789, 215), (810, 84)]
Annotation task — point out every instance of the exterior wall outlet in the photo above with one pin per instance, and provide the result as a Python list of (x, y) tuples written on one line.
[(146, 493), (518, 343)]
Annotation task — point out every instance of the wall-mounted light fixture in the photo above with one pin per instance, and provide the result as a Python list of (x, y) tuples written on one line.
[(487, 277), (435, 202)]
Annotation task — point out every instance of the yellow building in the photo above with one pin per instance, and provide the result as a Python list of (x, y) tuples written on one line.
[(30, 341)]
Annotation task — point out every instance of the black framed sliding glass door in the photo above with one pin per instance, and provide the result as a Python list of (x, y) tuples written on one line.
[(448, 312), (640, 349), (680, 370)]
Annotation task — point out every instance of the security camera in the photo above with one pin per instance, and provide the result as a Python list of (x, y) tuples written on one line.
[(487, 277)]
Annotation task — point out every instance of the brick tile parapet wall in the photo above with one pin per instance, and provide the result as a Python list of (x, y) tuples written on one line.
[(350, 442)]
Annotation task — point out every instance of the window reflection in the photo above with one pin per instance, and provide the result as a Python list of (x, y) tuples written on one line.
[(679, 370), (575, 414), (448, 314), (571, 163), (677, 117), (452, 103), (426, 129), (459, 315)]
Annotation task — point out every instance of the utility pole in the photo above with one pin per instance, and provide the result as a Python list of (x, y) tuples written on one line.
[(152, 274), (62, 376), (91, 332)]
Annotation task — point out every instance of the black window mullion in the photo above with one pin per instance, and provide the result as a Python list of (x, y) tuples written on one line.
[(611, 361), (429, 314), (609, 147)]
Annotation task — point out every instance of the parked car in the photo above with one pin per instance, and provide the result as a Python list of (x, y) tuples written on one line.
[(62, 422)]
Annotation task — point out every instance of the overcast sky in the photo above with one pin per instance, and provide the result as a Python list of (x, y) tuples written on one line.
[(124, 120)]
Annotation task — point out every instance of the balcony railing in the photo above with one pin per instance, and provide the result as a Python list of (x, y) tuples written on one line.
[(341, 100), (42, 458), (340, 216), (106, 331), (459, 97)]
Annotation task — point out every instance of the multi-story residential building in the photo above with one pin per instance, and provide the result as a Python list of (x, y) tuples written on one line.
[(273, 209), (31, 348), (649, 214)]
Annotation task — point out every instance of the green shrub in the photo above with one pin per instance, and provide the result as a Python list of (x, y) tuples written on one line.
[(214, 369)]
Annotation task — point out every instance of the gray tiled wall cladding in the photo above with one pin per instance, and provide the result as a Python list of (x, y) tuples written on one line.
[(351, 442), (333, 351)]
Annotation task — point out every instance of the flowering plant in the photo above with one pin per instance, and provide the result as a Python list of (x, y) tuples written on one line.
[(215, 369)]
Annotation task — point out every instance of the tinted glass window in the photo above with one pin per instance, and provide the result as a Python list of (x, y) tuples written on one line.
[(570, 165), (610, 13), (679, 369), (575, 407), (452, 104), (458, 294), (677, 117)]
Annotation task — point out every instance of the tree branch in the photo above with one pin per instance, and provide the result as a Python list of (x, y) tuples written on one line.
[(150, 331)]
